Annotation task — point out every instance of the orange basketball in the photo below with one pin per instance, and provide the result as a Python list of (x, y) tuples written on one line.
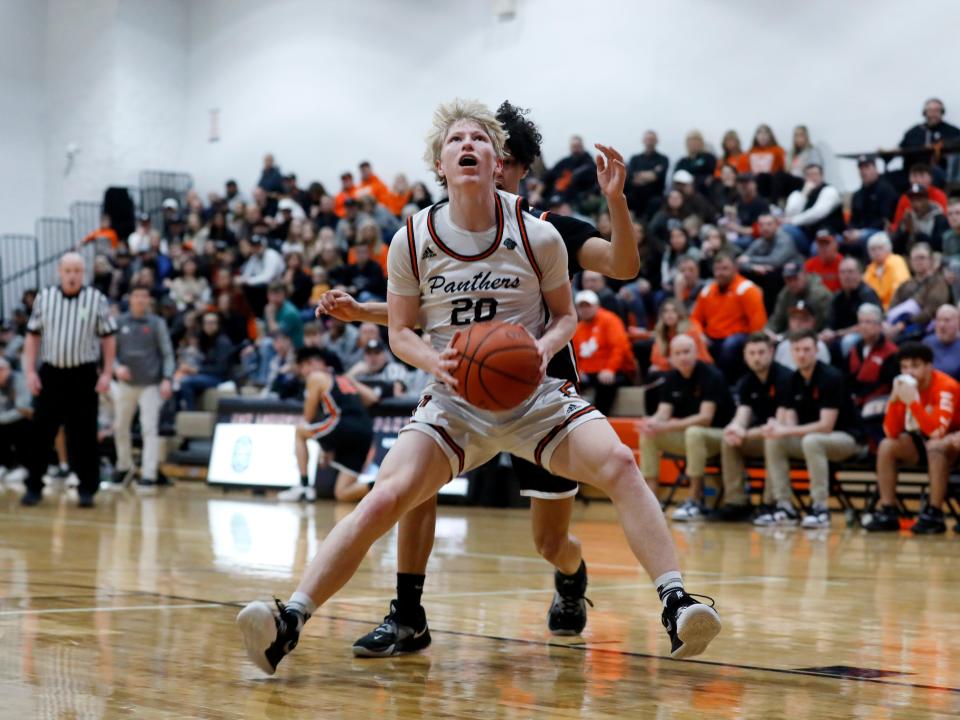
[(499, 366)]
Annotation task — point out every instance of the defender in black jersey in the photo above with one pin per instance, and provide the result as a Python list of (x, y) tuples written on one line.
[(551, 497), (334, 414)]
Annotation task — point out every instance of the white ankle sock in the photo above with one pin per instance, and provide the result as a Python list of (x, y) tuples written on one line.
[(667, 584), (302, 603)]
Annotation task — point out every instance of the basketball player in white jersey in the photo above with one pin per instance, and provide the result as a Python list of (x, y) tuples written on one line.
[(405, 628), (448, 268)]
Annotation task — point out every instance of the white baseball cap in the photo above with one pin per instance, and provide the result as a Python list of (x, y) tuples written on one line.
[(683, 177), (587, 296)]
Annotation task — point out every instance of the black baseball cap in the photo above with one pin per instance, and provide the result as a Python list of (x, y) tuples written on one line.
[(866, 160), (792, 270)]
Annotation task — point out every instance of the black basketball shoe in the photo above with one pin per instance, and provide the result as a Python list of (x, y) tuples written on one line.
[(929, 522), (269, 634), (885, 519), (690, 624), (568, 611), (394, 636)]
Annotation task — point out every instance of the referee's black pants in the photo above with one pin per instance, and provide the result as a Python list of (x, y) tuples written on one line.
[(69, 398)]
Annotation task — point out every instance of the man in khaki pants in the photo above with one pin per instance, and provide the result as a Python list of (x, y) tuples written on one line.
[(817, 422), (144, 367), (694, 395), (756, 396)]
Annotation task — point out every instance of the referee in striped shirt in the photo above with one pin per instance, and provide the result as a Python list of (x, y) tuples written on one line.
[(69, 329)]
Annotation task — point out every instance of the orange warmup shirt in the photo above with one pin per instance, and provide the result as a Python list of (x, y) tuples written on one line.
[(935, 410), (109, 233), (738, 308), (767, 160), (602, 344), (741, 163)]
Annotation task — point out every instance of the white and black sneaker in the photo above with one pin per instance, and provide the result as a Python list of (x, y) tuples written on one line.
[(781, 515), (394, 637), (690, 624), (269, 634), (298, 493), (689, 511), (818, 517)]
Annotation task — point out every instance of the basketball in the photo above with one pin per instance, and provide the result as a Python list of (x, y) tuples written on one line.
[(499, 365)]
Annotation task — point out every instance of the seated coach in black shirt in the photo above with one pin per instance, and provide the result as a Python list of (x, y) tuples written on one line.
[(693, 394), (816, 422), (756, 396)]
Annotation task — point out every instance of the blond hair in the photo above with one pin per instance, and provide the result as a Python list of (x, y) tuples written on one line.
[(449, 113)]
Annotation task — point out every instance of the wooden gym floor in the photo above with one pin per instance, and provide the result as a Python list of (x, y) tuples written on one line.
[(128, 611)]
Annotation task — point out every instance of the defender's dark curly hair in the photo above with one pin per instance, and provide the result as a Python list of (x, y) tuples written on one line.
[(523, 138)]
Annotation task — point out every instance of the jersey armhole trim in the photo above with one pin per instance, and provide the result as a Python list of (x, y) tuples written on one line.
[(526, 241), (412, 247)]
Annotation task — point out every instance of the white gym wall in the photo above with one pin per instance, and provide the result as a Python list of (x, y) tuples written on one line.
[(325, 84)]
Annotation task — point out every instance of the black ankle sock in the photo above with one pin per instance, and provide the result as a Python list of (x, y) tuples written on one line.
[(409, 592), (575, 584), (304, 481)]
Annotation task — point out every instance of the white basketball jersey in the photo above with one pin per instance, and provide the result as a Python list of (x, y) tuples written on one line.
[(502, 282)]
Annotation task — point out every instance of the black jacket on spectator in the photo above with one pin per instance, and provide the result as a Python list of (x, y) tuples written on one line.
[(843, 306), (302, 287), (920, 135), (368, 277), (701, 166), (706, 384), (567, 177), (217, 352), (749, 212), (873, 205)]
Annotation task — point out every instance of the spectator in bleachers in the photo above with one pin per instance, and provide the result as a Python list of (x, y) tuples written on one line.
[(298, 283), (842, 319), (932, 130), (871, 361), (281, 314), (871, 207), (924, 222), (372, 185), (210, 368), (139, 240), (750, 206), (673, 211), (817, 205), (348, 224), (673, 321), (803, 153), (342, 339), (728, 309), (353, 354), (698, 162), (271, 179), (189, 288), (647, 173), (234, 198), (886, 271), (800, 318), (16, 411), (297, 195), (378, 369), (826, 263), (687, 283), (770, 251), (920, 174), (678, 246), (366, 277), (798, 285), (916, 300), (604, 355), (280, 370), (922, 408), (767, 161), (573, 174), (696, 203), (723, 189), (348, 191), (945, 340), (263, 266), (950, 239), (590, 280), (756, 396), (693, 393), (733, 154), (104, 237), (816, 422), (712, 242)]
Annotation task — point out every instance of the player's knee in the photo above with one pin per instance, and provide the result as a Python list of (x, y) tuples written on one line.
[(620, 467), (383, 506)]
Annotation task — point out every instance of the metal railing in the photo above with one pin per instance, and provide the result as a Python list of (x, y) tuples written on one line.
[(19, 269)]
